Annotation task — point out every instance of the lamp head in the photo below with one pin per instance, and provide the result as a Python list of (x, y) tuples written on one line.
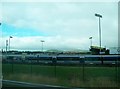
[(98, 15)]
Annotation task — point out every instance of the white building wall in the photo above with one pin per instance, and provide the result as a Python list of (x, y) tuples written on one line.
[(113, 50)]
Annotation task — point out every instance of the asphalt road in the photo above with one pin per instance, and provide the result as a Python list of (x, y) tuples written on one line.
[(21, 85)]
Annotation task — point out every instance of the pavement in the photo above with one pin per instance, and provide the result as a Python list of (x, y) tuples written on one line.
[(7, 84)]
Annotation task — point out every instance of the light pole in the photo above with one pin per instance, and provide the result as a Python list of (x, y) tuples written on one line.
[(9, 41), (99, 16), (1, 35), (6, 45), (42, 44), (90, 41)]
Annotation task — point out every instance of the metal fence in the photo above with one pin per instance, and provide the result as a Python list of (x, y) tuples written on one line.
[(62, 73)]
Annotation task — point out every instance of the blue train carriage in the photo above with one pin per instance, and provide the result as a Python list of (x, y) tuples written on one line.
[(39, 59), (68, 59), (92, 59), (102, 59), (111, 59), (11, 58)]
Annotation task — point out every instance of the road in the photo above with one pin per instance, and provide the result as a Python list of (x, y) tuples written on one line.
[(18, 84)]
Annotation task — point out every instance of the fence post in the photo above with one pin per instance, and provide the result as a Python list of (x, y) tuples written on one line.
[(12, 65), (54, 59), (82, 60), (31, 67)]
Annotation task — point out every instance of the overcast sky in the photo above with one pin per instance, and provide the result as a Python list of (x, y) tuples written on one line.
[(62, 25)]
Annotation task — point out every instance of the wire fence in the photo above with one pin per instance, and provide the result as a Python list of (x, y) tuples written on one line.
[(64, 73)]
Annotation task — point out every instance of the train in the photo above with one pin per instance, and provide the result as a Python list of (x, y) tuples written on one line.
[(62, 59)]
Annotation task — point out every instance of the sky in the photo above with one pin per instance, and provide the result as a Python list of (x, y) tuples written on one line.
[(62, 25)]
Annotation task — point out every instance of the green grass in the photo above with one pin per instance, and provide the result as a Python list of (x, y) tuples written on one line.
[(65, 75)]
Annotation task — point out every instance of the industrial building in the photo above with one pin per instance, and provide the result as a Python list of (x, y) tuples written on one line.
[(97, 50)]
